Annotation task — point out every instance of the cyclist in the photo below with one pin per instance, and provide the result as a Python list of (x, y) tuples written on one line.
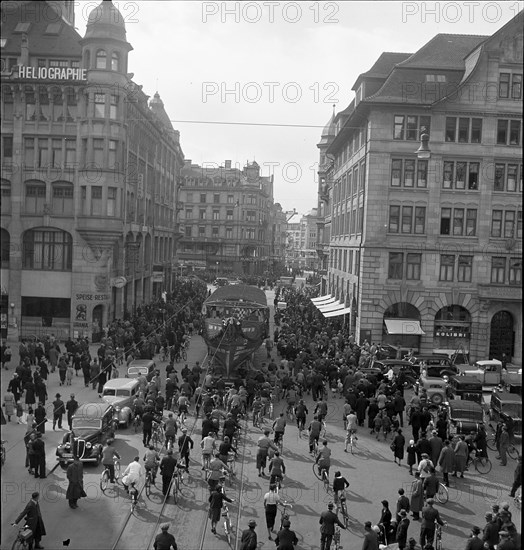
[(167, 469), (183, 410), (323, 459), (291, 398), (151, 460), (138, 405), (216, 469), (185, 444), (170, 429), (263, 445), (279, 427), (351, 428), (107, 459), (346, 410), (225, 448), (340, 484), (314, 433), (132, 474), (230, 426), (271, 500), (300, 413), (328, 520), (277, 469), (208, 445), (257, 408), (321, 410), (216, 501)]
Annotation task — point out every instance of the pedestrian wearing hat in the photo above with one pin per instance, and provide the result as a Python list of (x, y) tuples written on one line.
[(402, 530), (504, 445), (436, 444), (461, 456), (9, 404), (71, 407), (33, 519), (165, 540), (417, 496), (39, 452), (75, 489), (248, 540), (474, 542), (168, 466), (370, 537), (286, 539), (385, 520), (430, 515), (490, 533), (446, 461), (506, 542), (411, 451), (328, 520), (185, 445), (58, 411)]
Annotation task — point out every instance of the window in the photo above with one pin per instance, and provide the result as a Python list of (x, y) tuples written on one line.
[(111, 201), (202, 215), (464, 269), (202, 197), (451, 128), (229, 215), (101, 59), (409, 127), (216, 198), (250, 215), (201, 231), (189, 213), (43, 159), (409, 173), (471, 222), (100, 106), (403, 172), (115, 61), (476, 130), (407, 219), (456, 174), (214, 232), (230, 199), (447, 266), (413, 264), (473, 176), (445, 221), (458, 221), (500, 170), (98, 152), (511, 182), (216, 214), (516, 86), (96, 200), (47, 249), (62, 199), (113, 147), (515, 271), (35, 197), (519, 225), (422, 173), (504, 79), (188, 229), (56, 153), (498, 270), (509, 224), (396, 262), (229, 232), (463, 130), (420, 220), (435, 78), (70, 152), (396, 172), (394, 219), (113, 107), (514, 132), (496, 223), (189, 197), (5, 197)]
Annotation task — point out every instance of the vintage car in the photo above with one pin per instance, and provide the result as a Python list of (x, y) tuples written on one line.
[(465, 387), (464, 417), (491, 373), (400, 367), (121, 393), (141, 366), (507, 407), (92, 425), (434, 365), (220, 281), (435, 389)]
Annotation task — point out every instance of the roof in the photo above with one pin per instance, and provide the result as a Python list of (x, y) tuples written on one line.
[(92, 410), (382, 66), (245, 293), (121, 383), (464, 405), (507, 396), (105, 21), (467, 379)]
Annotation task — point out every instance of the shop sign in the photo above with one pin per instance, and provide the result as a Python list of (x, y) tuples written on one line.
[(52, 73), (451, 334), (158, 277), (91, 297)]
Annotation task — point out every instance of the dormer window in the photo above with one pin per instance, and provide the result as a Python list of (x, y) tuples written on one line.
[(435, 78), (115, 61), (22, 27), (101, 59)]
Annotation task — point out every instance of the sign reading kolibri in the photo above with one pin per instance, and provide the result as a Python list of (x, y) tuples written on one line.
[(53, 73)]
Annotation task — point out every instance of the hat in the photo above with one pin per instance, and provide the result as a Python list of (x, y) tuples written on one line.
[(252, 523), (488, 515), (430, 501), (367, 525), (58, 395), (503, 533), (412, 442), (285, 523), (330, 505), (424, 455), (164, 527), (184, 430), (403, 513), (475, 530), (384, 503)]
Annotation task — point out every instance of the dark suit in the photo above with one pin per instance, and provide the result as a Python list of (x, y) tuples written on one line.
[(33, 519), (427, 529), (39, 454), (474, 543)]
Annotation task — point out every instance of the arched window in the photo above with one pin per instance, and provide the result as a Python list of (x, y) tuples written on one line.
[(62, 199), (101, 59), (452, 327), (48, 249), (5, 197), (115, 61), (5, 242)]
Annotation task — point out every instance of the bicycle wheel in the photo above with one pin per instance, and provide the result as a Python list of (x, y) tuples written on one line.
[(19, 545), (442, 495), (147, 485), (325, 479), (517, 499), (104, 480), (483, 465), (315, 471), (3, 456), (227, 529), (491, 443), (117, 471), (513, 452), (136, 423), (176, 488)]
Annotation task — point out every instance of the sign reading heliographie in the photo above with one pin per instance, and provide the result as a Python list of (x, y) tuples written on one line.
[(52, 73)]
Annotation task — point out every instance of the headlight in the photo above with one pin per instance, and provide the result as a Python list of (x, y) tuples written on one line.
[(68, 445), (117, 409), (88, 445)]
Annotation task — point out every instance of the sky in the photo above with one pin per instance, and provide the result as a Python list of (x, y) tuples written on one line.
[(274, 70)]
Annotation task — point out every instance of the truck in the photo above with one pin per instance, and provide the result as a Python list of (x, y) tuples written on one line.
[(491, 373)]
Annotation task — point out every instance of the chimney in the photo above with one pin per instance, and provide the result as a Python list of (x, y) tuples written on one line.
[(187, 163), (228, 165)]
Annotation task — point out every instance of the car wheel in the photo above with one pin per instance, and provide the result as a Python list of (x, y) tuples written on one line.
[(436, 399)]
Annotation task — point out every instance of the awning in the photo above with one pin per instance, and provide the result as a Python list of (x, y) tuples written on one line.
[(403, 326), (321, 298), (331, 307), (326, 303), (337, 312)]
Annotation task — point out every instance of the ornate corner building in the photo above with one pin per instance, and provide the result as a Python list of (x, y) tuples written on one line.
[(425, 244), (89, 172)]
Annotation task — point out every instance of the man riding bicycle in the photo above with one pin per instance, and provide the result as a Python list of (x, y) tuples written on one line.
[(351, 427), (340, 484), (151, 461), (132, 474), (314, 433), (277, 469), (323, 459), (279, 427), (300, 414)]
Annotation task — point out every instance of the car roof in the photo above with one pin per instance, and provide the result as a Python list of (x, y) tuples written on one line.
[(467, 380), (121, 383), (464, 405), (387, 362), (507, 396), (92, 410), (431, 379), (141, 362), (489, 362)]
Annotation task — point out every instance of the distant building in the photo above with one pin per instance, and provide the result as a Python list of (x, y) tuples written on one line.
[(227, 219), (89, 169), (302, 235), (426, 248)]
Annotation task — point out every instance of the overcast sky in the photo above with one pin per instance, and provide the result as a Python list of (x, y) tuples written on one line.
[(273, 70)]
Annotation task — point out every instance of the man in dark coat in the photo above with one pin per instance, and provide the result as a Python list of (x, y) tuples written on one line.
[(165, 540), (474, 542), (429, 516), (71, 407), (402, 530), (328, 520), (360, 408), (33, 519), (248, 540), (75, 475), (286, 538), (167, 470), (58, 411), (39, 452), (370, 538), (402, 504), (40, 418)]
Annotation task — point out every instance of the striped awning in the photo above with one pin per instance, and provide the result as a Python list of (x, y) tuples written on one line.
[(337, 312), (331, 307), (322, 299)]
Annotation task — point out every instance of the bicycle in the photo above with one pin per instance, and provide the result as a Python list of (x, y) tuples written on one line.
[(158, 437), (442, 495), (335, 541), (322, 475), (438, 537), (23, 538), (279, 443), (517, 499), (512, 451), (482, 464), (258, 419), (149, 481), (283, 515), (290, 411), (106, 475), (228, 528), (3, 451), (137, 422), (177, 481), (351, 438), (344, 510), (133, 493)]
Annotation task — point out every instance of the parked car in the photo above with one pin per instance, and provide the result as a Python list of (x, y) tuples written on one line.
[(491, 373), (220, 281), (141, 366), (400, 367), (465, 387), (92, 425), (464, 417), (504, 405), (120, 393), (441, 371), (436, 389), (432, 360)]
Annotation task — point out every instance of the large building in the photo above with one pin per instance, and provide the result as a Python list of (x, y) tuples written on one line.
[(229, 223), (89, 170), (302, 233), (424, 245)]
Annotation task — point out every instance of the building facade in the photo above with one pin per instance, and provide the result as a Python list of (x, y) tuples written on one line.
[(89, 174), (425, 246), (229, 223)]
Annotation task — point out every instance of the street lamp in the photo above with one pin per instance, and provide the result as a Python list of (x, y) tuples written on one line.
[(424, 152)]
